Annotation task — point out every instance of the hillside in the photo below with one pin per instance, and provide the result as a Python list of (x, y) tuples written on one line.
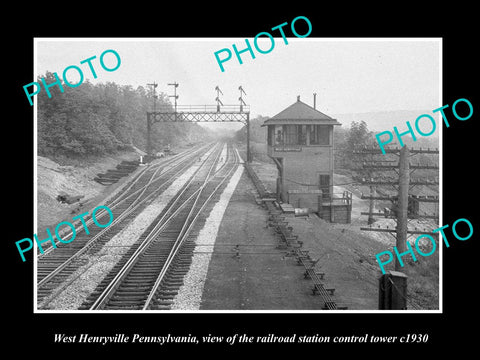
[(103, 119), (54, 179), (76, 178)]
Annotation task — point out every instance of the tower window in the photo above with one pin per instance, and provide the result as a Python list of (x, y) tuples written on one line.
[(319, 134)]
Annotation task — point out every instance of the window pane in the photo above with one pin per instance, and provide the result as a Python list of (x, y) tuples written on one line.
[(278, 135), (313, 134), (302, 134), (290, 134), (324, 135)]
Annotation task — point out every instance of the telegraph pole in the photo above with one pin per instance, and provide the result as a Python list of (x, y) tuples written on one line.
[(402, 184), (371, 205), (393, 285), (402, 205), (249, 154)]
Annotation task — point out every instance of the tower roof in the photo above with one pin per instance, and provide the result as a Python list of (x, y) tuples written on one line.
[(300, 113)]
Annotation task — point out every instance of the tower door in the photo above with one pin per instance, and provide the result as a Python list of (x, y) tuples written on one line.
[(324, 185)]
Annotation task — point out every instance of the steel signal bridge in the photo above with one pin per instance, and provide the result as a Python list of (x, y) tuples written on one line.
[(202, 113)]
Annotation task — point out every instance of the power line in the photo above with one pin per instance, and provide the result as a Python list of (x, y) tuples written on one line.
[(316, 185), (405, 207)]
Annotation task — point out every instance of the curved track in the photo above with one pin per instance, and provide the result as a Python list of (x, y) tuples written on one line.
[(57, 263), (150, 274)]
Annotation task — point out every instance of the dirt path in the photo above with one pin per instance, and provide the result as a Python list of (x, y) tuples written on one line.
[(261, 277)]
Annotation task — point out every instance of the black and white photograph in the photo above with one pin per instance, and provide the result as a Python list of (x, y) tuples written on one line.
[(230, 183), (270, 194)]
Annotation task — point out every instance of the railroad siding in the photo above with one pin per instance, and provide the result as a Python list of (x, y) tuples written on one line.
[(96, 266)]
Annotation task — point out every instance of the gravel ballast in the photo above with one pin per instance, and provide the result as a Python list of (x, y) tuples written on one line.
[(96, 266), (190, 293)]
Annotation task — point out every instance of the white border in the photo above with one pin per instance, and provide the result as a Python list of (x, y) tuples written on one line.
[(440, 310)]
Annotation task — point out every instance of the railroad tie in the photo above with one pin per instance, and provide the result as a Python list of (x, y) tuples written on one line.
[(288, 239), (315, 289), (330, 305)]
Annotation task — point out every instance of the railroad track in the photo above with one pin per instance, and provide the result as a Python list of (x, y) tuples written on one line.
[(57, 264), (149, 275)]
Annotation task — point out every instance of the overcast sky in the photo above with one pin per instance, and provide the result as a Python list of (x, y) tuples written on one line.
[(348, 75)]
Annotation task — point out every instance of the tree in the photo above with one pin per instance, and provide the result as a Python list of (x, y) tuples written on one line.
[(102, 118), (357, 136)]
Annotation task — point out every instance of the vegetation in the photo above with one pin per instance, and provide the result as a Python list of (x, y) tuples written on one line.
[(348, 140), (103, 118), (258, 134)]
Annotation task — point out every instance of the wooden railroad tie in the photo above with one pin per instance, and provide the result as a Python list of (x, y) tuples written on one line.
[(316, 289), (276, 217), (330, 305), (310, 271), (276, 221), (301, 256), (286, 233), (307, 275)]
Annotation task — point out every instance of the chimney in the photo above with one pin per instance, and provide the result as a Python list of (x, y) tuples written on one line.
[(298, 97), (315, 101)]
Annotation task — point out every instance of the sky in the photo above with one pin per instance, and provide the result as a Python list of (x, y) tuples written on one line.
[(349, 75)]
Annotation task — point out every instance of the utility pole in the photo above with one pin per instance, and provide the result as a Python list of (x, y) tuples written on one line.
[(402, 205), (407, 184), (371, 206), (249, 154), (393, 285)]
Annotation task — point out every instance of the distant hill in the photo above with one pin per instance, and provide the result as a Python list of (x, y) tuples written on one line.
[(382, 120)]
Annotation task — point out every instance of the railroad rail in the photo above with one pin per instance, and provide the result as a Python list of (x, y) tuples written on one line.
[(55, 265), (149, 275)]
